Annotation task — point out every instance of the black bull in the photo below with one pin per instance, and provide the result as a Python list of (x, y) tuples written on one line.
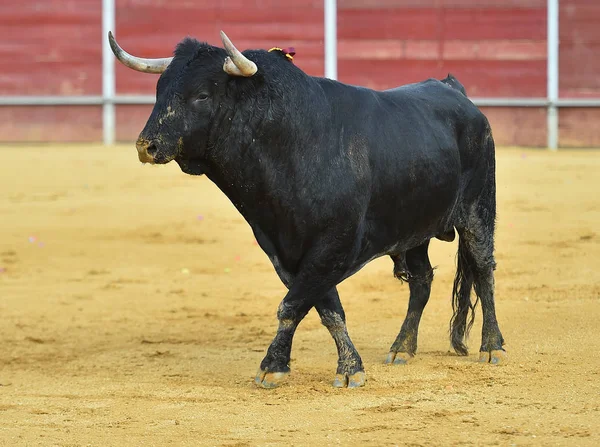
[(331, 176)]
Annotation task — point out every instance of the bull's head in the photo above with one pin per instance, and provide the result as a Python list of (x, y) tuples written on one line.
[(189, 97)]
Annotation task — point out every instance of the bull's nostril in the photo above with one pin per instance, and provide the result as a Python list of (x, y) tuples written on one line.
[(151, 150)]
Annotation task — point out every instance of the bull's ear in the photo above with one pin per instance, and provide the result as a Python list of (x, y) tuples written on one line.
[(236, 64)]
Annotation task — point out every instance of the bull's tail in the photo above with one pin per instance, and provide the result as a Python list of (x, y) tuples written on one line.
[(462, 307)]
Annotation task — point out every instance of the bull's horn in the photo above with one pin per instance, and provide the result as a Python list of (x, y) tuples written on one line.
[(138, 63), (236, 64)]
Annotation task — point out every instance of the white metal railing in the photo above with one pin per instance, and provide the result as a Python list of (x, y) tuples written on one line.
[(330, 33), (109, 121), (109, 99), (552, 74)]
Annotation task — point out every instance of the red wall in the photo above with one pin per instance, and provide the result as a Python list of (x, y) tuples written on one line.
[(50, 47), (494, 51), (579, 61), (497, 48)]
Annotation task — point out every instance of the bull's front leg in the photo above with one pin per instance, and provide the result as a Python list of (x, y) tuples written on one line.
[(276, 364), (307, 290)]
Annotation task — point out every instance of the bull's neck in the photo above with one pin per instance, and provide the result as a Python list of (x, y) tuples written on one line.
[(253, 164), (259, 144), (242, 172)]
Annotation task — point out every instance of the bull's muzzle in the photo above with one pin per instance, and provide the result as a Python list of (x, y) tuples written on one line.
[(146, 150)]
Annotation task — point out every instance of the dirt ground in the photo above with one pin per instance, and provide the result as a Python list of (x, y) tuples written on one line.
[(135, 308)]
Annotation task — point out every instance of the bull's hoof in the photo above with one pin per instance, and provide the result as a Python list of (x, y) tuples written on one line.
[(494, 357), (355, 380), (397, 358), (266, 379)]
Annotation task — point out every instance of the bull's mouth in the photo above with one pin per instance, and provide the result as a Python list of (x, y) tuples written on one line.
[(156, 159)]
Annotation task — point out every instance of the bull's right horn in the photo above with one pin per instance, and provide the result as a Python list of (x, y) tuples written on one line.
[(138, 63), (236, 64)]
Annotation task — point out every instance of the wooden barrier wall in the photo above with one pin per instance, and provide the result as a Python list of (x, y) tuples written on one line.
[(497, 48)]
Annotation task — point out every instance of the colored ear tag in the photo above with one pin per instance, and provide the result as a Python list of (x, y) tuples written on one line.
[(289, 52)]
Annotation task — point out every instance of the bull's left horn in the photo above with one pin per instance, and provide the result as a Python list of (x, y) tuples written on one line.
[(138, 63), (236, 64)]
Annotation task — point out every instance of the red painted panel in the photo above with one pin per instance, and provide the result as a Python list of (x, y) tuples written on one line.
[(399, 4), (234, 5), (579, 48), (370, 49), (422, 49), (160, 14), (578, 127), (51, 123), (498, 23), (517, 126), (51, 47), (388, 49), (414, 23), (380, 75), (386, 4), (494, 4), (579, 70), (579, 21), (495, 49), (481, 78), (267, 24)]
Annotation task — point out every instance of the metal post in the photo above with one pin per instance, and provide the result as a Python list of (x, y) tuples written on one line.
[(330, 39), (552, 74), (108, 73)]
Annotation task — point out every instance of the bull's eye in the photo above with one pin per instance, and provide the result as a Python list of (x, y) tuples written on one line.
[(201, 97)]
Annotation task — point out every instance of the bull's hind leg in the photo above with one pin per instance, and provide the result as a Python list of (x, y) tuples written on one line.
[(475, 224), (417, 270), (350, 372), (476, 248)]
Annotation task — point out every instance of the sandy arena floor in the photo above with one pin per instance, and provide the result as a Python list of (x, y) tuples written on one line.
[(136, 308)]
